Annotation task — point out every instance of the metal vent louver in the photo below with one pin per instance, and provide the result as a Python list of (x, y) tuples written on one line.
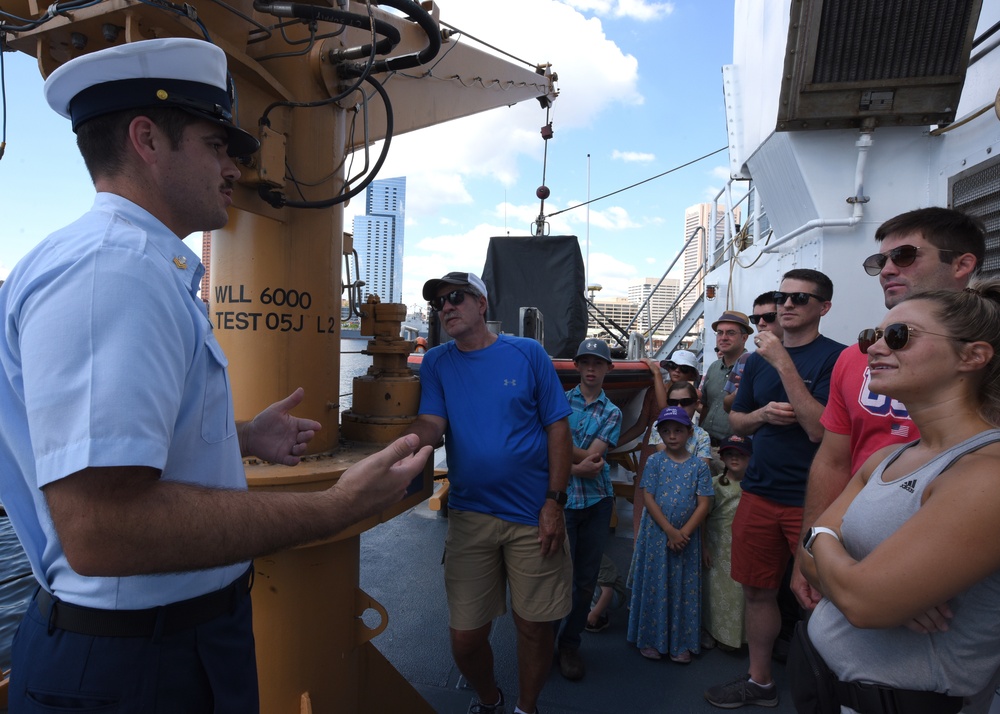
[(898, 62), (976, 191)]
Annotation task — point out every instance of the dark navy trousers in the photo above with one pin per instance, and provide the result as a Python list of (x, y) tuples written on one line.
[(587, 529), (210, 668)]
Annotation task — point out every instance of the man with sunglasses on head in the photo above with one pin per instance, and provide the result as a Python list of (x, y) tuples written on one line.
[(926, 249), (765, 318), (498, 402), (781, 397)]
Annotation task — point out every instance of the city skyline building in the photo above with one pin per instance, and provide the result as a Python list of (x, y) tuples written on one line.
[(659, 305), (697, 215), (619, 310), (379, 239)]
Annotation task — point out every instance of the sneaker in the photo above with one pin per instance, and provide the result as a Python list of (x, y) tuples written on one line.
[(602, 624), (741, 691), (480, 708), (571, 665)]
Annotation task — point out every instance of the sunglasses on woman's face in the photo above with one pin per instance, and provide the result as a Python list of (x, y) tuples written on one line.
[(683, 402), (896, 336), (455, 297), (767, 317), (682, 367), (902, 257), (796, 298)]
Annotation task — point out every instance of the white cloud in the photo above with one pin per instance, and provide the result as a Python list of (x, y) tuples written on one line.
[(445, 253), (643, 10), (614, 218), (595, 76), (720, 177), (634, 9), (478, 155), (632, 156), (518, 220), (611, 274)]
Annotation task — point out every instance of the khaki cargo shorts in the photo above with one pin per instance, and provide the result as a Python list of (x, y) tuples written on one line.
[(483, 553)]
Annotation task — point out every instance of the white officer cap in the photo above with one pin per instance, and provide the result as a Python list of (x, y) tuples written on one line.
[(179, 72)]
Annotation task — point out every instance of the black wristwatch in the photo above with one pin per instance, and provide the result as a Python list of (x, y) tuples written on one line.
[(810, 537), (559, 497)]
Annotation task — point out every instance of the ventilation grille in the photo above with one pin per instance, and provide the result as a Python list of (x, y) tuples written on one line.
[(976, 192), (891, 40), (890, 62)]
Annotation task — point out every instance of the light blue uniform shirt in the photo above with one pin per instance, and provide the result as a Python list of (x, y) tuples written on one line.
[(109, 359)]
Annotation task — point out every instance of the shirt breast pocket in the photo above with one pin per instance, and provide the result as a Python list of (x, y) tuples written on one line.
[(217, 411)]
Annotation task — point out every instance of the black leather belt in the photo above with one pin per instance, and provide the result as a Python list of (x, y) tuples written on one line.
[(876, 699), (174, 617)]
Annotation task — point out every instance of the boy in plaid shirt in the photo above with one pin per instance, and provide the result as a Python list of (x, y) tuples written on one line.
[(595, 424)]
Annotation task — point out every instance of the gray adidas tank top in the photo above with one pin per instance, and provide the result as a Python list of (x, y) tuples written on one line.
[(958, 662)]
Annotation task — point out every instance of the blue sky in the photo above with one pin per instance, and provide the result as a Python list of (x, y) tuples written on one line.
[(640, 91)]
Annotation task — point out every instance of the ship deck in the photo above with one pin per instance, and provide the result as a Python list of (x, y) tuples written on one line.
[(401, 568)]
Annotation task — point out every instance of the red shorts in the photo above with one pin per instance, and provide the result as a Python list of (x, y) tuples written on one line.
[(765, 535)]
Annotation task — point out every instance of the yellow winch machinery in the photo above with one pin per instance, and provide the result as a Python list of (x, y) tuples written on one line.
[(314, 82)]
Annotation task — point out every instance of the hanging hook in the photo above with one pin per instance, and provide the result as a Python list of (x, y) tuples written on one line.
[(542, 192)]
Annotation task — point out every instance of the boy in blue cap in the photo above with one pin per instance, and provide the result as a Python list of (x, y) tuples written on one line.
[(595, 425)]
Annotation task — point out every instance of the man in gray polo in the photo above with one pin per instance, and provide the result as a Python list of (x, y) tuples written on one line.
[(731, 332)]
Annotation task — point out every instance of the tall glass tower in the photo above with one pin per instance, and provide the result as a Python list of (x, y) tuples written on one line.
[(378, 238)]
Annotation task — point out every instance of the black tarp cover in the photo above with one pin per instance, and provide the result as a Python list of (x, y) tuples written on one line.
[(545, 272)]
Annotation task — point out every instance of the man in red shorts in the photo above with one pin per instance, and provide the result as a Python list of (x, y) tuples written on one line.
[(780, 400)]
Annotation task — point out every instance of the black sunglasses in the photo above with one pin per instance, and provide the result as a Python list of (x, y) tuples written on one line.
[(896, 336), (796, 298), (681, 367), (902, 256), (767, 317), (455, 297), (684, 402)]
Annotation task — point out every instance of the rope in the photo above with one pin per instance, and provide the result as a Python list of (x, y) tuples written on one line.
[(651, 178)]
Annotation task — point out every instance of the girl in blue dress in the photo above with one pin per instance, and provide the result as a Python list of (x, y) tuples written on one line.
[(665, 576)]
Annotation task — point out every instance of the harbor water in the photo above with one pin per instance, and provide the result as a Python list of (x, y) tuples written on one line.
[(16, 588), (16, 581)]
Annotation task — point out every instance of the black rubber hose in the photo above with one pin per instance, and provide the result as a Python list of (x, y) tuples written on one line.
[(279, 200), (418, 15), (390, 35)]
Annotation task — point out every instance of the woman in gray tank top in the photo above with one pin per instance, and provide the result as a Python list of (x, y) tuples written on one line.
[(908, 557)]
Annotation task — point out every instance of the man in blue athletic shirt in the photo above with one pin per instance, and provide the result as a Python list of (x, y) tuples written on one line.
[(498, 403)]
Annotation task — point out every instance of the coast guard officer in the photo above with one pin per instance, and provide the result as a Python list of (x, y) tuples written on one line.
[(120, 461)]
